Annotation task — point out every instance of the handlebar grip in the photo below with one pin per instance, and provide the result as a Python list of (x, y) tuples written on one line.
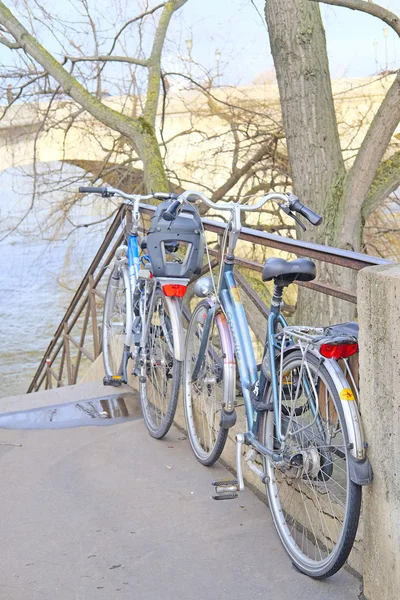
[(172, 212), (311, 216), (165, 196), (92, 190)]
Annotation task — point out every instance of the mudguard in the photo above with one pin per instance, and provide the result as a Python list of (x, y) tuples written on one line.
[(359, 467)]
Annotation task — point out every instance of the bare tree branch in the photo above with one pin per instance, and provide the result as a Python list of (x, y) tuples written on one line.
[(138, 18), (386, 181), (372, 150), (238, 173), (106, 58), (368, 7), (139, 131), (366, 164), (8, 43), (154, 79)]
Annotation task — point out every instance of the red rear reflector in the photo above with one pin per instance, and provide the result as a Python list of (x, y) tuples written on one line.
[(338, 350), (174, 290)]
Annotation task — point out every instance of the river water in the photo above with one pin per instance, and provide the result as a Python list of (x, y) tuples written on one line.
[(38, 277)]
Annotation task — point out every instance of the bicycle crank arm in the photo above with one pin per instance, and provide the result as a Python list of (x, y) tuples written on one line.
[(227, 489)]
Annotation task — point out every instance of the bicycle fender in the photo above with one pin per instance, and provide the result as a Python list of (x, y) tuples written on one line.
[(175, 314), (350, 409), (360, 468), (228, 415)]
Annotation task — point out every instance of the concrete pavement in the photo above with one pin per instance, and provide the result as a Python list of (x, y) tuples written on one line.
[(108, 513)]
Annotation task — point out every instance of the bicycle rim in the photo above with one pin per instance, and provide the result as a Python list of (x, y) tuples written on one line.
[(160, 371), (204, 397), (116, 321), (314, 503)]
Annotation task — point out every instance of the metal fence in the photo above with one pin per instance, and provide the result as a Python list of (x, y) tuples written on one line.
[(77, 341)]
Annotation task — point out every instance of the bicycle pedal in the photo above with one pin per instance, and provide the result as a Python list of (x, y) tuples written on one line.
[(225, 489), (114, 380), (225, 496), (224, 482)]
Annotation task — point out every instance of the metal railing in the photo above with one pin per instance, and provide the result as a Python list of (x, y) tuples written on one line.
[(77, 340)]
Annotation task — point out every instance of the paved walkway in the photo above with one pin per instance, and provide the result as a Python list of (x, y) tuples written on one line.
[(108, 513)]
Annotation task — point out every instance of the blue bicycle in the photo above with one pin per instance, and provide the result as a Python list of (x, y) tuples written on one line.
[(142, 304), (303, 432)]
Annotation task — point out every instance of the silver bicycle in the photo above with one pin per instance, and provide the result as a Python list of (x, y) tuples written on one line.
[(142, 305)]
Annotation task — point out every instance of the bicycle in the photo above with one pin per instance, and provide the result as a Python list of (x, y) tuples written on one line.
[(304, 430), (142, 310)]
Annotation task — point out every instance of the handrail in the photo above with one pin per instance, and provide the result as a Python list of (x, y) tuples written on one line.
[(81, 291), (85, 301), (337, 256)]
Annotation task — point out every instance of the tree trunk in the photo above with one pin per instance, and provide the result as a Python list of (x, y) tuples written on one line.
[(298, 47)]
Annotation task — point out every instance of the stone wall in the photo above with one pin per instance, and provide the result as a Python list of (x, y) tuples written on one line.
[(379, 318)]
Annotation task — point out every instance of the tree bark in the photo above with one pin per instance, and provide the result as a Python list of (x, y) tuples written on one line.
[(298, 47), (319, 177)]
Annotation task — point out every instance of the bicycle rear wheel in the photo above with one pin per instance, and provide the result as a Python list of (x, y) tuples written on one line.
[(314, 503), (160, 371), (117, 322), (204, 397)]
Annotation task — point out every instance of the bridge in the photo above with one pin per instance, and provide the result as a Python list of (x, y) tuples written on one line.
[(196, 131)]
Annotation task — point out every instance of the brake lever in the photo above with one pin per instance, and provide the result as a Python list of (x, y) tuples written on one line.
[(287, 211), (296, 218), (107, 194)]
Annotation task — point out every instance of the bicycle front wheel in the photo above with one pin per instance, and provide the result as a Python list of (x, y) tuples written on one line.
[(314, 503), (117, 322), (204, 393), (160, 371)]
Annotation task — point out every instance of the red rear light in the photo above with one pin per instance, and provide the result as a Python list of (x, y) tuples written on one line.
[(337, 351), (176, 290)]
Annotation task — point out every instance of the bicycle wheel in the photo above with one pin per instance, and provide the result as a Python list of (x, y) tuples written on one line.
[(117, 322), (204, 397), (314, 504), (160, 371)]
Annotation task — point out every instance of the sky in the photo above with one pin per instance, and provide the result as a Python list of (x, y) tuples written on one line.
[(235, 30), (356, 42)]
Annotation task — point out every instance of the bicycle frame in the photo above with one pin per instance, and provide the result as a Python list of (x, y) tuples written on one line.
[(251, 382), (254, 384), (133, 259), (172, 303)]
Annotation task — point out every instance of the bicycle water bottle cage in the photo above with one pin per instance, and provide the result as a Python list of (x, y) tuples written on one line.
[(176, 248)]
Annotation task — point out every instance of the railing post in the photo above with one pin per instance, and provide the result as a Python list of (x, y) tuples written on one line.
[(82, 341), (67, 354), (92, 302), (379, 319), (48, 375)]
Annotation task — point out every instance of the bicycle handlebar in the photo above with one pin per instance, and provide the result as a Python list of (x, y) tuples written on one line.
[(108, 192), (289, 203)]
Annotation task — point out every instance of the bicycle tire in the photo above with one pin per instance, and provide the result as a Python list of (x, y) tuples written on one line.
[(160, 371), (202, 414), (117, 321), (317, 534)]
